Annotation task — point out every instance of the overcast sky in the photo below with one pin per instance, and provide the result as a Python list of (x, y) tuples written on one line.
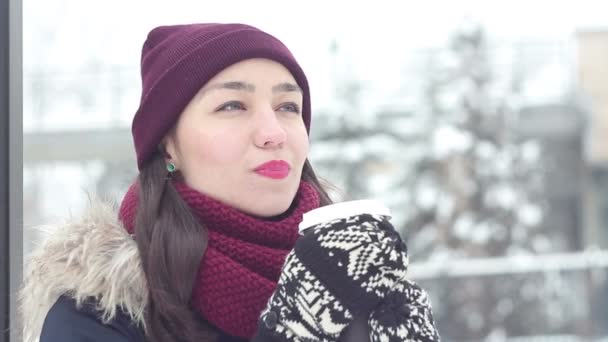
[(376, 36), (372, 26)]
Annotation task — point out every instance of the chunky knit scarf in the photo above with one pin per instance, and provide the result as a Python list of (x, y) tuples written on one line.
[(241, 266)]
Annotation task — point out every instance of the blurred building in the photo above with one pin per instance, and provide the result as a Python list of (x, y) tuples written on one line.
[(592, 51), (559, 127), (592, 82), (573, 131)]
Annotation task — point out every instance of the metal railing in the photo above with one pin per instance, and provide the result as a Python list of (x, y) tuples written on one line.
[(509, 265)]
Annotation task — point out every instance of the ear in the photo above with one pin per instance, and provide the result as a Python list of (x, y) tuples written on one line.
[(168, 148)]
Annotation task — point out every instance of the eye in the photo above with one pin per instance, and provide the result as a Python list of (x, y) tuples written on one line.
[(230, 106), (289, 107)]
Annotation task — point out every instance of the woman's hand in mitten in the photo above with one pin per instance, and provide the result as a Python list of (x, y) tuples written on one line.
[(405, 314), (337, 270)]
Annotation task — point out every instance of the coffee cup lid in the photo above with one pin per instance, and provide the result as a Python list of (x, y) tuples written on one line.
[(343, 210)]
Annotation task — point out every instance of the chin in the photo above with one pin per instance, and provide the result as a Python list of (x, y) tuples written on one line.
[(269, 203), (273, 211)]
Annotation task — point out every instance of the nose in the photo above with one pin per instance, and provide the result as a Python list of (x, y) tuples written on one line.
[(269, 132)]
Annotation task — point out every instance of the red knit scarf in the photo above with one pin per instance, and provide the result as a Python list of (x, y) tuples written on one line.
[(243, 260)]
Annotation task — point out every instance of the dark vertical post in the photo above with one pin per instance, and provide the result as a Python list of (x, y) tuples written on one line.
[(11, 166)]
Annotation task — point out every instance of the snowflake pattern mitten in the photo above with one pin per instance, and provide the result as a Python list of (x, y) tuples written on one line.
[(341, 269)]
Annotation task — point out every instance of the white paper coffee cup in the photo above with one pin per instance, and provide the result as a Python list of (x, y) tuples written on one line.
[(343, 210)]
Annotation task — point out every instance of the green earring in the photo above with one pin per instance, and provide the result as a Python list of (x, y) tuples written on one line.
[(171, 167)]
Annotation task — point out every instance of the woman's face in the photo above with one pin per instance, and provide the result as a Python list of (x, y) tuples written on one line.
[(242, 138)]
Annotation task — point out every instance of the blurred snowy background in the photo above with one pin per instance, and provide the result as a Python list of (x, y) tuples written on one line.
[(482, 124)]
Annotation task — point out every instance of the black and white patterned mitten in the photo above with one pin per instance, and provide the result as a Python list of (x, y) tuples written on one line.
[(405, 314), (339, 270)]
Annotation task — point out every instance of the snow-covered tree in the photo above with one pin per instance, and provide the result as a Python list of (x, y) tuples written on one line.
[(461, 182), (478, 193)]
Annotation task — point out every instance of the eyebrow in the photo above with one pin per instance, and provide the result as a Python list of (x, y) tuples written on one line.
[(286, 87), (248, 87)]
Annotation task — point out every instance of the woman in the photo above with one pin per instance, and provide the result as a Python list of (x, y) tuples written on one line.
[(196, 249)]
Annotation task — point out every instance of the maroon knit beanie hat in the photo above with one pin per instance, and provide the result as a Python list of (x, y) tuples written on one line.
[(177, 61)]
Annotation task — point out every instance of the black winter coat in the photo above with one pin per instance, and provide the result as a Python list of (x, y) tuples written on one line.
[(67, 323)]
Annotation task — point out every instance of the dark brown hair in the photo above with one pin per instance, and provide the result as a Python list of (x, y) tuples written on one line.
[(171, 243)]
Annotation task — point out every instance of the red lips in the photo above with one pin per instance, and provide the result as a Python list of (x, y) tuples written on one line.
[(275, 169)]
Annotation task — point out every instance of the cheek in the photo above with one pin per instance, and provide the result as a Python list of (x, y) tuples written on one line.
[(301, 144), (220, 148)]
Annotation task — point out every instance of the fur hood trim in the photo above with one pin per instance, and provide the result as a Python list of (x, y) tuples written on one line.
[(90, 256)]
